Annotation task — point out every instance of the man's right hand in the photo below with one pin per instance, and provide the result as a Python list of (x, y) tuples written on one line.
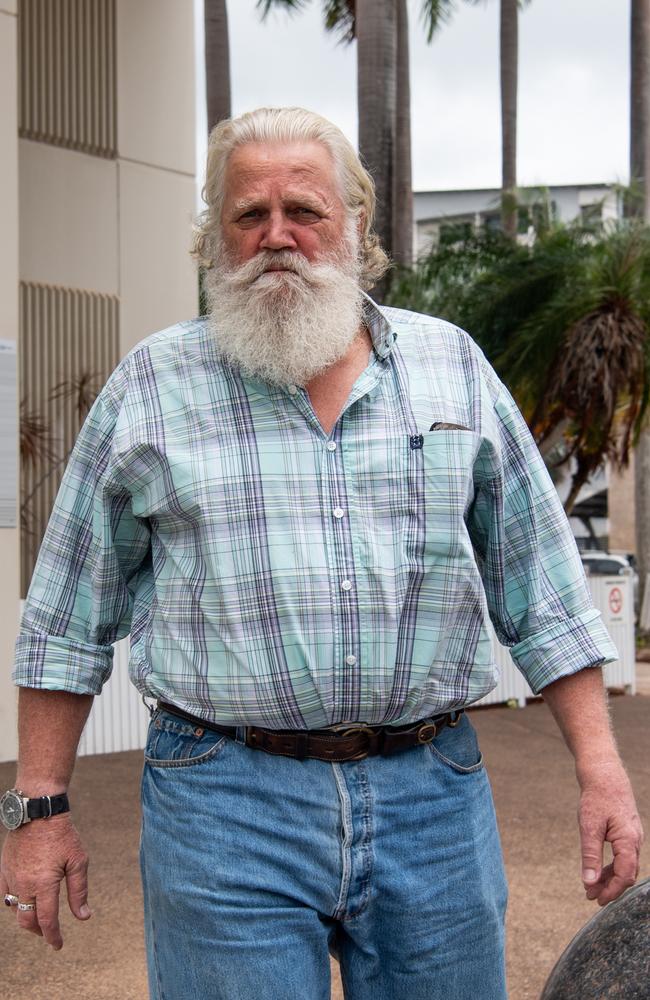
[(35, 859)]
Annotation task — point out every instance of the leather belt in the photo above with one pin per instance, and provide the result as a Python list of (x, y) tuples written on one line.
[(345, 741)]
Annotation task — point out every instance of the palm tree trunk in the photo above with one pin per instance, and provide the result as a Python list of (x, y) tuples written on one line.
[(403, 180), (217, 61), (377, 97), (509, 56), (640, 206), (639, 203)]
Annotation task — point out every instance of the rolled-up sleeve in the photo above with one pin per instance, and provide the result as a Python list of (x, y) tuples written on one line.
[(536, 590), (80, 598)]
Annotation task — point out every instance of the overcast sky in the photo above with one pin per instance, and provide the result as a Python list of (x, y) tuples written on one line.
[(573, 87)]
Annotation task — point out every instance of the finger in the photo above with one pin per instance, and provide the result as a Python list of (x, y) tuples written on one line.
[(591, 845), (47, 910), (27, 920), (76, 877), (5, 890), (621, 877), (593, 891)]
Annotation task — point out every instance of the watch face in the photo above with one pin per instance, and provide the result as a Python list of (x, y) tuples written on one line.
[(11, 810)]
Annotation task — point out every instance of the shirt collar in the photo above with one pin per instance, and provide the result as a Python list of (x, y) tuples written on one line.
[(382, 333)]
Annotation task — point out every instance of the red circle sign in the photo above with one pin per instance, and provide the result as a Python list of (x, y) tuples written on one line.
[(615, 600)]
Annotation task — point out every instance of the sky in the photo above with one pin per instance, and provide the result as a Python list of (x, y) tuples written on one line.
[(573, 87)]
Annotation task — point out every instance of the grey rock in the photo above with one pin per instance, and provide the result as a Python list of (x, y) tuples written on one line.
[(610, 956)]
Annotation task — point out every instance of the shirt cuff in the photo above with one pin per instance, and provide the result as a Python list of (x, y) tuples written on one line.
[(59, 664), (564, 648)]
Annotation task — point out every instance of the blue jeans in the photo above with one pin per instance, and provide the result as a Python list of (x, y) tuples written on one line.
[(256, 867)]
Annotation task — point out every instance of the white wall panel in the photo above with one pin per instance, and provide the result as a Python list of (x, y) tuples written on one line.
[(118, 720)]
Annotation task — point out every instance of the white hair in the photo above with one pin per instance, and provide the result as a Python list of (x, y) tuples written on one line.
[(288, 125)]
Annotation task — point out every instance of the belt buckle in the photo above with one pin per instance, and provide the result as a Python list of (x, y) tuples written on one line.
[(351, 727), (348, 729), (427, 732)]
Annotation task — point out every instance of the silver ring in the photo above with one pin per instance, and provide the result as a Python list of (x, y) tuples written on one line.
[(26, 906), (10, 899)]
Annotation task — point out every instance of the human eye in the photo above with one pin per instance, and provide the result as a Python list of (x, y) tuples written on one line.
[(305, 213)]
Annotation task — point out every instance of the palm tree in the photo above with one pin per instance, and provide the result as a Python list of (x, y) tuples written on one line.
[(382, 82), (638, 204), (509, 59), (217, 61), (217, 84), (566, 322), (376, 32), (509, 72), (403, 175), (384, 101)]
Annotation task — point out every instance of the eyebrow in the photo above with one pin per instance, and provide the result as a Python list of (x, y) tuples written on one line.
[(308, 201)]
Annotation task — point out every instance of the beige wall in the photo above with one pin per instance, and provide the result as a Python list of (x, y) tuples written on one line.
[(119, 226), (621, 509), (155, 128), (68, 218), (158, 285), (9, 537), (155, 81)]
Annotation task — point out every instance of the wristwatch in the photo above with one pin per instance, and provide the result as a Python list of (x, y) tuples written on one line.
[(16, 809)]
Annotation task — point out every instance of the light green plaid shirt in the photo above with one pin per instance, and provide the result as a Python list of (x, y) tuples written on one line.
[(271, 574)]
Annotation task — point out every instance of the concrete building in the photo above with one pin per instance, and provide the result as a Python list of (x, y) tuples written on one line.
[(434, 212), (97, 195)]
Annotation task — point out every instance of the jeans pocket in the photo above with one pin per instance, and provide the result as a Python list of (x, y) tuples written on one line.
[(457, 748), (172, 742)]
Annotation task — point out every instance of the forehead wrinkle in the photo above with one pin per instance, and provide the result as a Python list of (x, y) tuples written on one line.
[(253, 169), (288, 198)]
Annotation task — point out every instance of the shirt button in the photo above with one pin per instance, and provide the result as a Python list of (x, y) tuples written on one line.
[(293, 389), (338, 512), (331, 445), (346, 585), (350, 660)]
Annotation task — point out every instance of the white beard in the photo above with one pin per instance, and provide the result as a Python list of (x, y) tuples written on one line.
[(285, 327)]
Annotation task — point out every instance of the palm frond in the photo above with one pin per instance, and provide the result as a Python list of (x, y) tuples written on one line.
[(340, 17), (37, 443), (83, 389), (290, 6), (434, 14), (566, 323)]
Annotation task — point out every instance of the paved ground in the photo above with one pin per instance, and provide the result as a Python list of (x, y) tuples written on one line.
[(535, 793)]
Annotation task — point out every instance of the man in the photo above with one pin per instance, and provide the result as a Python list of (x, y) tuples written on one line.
[(302, 508)]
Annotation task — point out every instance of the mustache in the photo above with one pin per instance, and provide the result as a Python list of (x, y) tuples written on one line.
[(266, 260)]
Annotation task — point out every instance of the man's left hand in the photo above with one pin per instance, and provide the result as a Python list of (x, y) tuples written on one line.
[(608, 812)]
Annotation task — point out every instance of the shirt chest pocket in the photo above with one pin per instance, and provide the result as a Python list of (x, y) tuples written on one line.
[(417, 489)]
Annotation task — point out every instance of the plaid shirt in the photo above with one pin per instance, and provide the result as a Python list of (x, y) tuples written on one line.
[(271, 574)]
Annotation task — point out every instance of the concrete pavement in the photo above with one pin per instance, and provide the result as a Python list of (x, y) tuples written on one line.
[(535, 794)]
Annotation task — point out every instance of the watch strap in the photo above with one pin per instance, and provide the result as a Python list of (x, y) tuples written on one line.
[(47, 805)]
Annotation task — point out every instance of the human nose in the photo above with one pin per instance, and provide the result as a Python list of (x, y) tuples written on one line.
[(277, 233)]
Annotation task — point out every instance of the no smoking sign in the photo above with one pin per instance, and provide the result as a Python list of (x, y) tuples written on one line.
[(615, 600)]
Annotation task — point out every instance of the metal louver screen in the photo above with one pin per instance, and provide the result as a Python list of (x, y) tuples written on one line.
[(69, 345), (67, 74)]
